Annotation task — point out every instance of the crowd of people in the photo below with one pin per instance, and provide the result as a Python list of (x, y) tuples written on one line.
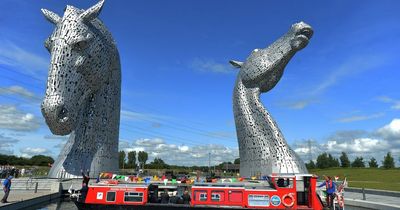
[(6, 171), (184, 199)]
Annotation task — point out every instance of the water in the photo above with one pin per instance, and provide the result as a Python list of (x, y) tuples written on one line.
[(69, 205), (63, 204)]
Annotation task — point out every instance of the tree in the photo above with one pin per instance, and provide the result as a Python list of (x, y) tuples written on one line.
[(326, 160), (388, 161), (236, 161), (358, 163), (323, 161), (142, 158), (158, 163), (132, 159), (310, 165), (41, 160), (372, 163), (333, 162), (344, 160), (121, 158)]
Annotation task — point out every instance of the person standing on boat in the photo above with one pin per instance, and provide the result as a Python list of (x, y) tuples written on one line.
[(85, 177), (6, 188), (330, 190), (165, 197), (186, 197)]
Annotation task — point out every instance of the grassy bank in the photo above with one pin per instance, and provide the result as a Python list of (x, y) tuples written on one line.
[(373, 178)]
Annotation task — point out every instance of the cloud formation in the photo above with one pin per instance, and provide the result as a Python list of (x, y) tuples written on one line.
[(138, 116), (349, 67), (360, 117), (28, 152), (356, 143), (181, 154), (19, 91), (298, 105), (13, 55), (395, 104), (14, 119), (7, 144), (204, 65), (352, 66)]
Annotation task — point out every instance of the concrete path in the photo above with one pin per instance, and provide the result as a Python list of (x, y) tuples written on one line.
[(19, 195), (20, 199), (376, 199), (372, 201)]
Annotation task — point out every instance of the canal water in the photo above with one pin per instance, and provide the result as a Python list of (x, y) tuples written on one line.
[(69, 205)]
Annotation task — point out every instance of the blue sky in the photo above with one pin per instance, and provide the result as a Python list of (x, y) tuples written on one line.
[(340, 92)]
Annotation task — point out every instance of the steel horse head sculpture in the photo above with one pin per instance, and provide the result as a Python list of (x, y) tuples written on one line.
[(83, 92), (262, 147)]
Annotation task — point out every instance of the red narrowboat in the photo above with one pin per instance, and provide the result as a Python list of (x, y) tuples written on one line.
[(283, 191)]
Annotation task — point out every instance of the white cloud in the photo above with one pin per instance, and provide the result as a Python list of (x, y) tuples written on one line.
[(395, 104), (181, 154), (298, 105), (137, 116), (351, 66), (356, 143), (64, 138), (391, 132), (31, 151), (360, 117), (61, 144), (347, 68), (360, 145), (222, 134), (18, 90), (15, 56), (149, 142), (12, 118), (204, 65), (7, 144)]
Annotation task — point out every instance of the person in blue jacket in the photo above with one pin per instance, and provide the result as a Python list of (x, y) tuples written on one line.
[(330, 190), (6, 188)]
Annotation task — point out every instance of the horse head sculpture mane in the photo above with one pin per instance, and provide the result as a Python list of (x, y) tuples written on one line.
[(83, 91)]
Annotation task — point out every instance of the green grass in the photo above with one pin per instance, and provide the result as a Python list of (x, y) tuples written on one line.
[(372, 178)]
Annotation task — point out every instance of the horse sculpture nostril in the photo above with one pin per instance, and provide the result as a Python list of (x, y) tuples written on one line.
[(63, 113)]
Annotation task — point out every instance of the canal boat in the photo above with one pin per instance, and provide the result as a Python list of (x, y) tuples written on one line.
[(278, 191)]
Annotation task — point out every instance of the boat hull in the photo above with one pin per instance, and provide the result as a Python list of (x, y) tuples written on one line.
[(87, 206)]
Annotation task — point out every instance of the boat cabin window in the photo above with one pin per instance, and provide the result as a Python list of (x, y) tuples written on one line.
[(284, 182), (203, 196), (217, 195), (110, 196), (133, 197)]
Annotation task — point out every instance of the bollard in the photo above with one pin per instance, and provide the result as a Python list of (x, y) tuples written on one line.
[(363, 192), (36, 186)]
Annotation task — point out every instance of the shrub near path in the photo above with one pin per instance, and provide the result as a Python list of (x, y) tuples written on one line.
[(372, 178)]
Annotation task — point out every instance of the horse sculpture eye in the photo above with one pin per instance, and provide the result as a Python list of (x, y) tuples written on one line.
[(80, 45)]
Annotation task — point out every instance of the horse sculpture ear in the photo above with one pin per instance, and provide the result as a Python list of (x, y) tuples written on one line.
[(51, 16), (91, 13), (236, 64)]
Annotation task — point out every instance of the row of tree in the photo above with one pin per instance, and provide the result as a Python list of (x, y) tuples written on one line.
[(133, 160), (129, 161), (37, 160), (326, 160)]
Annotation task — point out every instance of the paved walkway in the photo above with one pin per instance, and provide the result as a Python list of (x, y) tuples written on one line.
[(20, 195), (372, 201), (379, 199)]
